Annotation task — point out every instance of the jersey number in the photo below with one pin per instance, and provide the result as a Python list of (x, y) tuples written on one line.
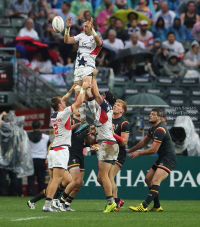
[(55, 126)]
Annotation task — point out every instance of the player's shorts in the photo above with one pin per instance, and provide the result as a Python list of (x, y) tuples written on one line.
[(82, 72), (58, 158), (76, 161), (164, 164), (120, 160), (108, 151)]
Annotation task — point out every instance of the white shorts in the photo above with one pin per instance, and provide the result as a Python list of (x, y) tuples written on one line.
[(108, 152), (58, 159), (80, 73)]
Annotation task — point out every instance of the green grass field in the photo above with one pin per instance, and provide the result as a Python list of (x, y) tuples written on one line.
[(14, 212)]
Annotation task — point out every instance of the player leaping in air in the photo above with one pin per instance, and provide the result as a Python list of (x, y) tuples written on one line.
[(90, 45)]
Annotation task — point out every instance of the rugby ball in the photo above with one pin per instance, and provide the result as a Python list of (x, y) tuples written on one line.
[(58, 24)]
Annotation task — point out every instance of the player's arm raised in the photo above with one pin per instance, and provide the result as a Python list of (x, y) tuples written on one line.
[(67, 38), (95, 90), (97, 39), (81, 96), (68, 94)]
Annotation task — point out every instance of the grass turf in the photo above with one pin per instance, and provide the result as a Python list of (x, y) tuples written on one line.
[(15, 212)]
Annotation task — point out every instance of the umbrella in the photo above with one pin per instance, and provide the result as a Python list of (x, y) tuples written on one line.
[(31, 46), (123, 13), (139, 53), (145, 100)]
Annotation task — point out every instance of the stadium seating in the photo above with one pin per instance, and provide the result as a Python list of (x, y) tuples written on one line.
[(103, 88), (17, 22), (177, 101), (8, 32), (165, 82), (102, 80), (118, 92), (155, 91), (194, 91), (194, 101), (176, 91), (186, 82), (5, 22), (120, 81), (142, 81), (130, 90)]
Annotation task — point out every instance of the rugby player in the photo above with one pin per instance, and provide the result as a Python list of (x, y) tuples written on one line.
[(90, 44), (59, 152), (76, 163), (162, 144), (121, 130), (65, 181), (109, 149)]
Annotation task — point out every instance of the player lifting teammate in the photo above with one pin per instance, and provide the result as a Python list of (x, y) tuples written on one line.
[(109, 148), (76, 163), (59, 153), (162, 144), (90, 45), (121, 130)]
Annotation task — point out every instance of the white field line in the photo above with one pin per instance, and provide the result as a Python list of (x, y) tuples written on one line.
[(26, 219)]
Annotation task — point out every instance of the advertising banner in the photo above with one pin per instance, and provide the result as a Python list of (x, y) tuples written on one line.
[(183, 183), (42, 115)]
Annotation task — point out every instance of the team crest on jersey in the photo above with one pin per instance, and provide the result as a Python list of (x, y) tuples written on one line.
[(91, 40)]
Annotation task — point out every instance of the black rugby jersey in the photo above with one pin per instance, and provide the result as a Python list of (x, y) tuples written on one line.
[(160, 134), (121, 125), (78, 140)]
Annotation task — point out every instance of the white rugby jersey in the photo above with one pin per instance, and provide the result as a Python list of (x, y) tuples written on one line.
[(87, 51), (104, 116), (61, 122)]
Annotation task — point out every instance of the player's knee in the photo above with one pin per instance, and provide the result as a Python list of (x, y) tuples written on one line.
[(78, 182), (99, 180), (147, 181), (68, 180), (155, 182)]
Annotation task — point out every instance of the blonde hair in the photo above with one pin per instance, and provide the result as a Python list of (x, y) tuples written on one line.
[(124, 106)]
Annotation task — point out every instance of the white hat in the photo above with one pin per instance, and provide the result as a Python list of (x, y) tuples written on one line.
[(143, 22)]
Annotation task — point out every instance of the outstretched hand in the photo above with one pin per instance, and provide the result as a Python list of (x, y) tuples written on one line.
[(69, 22), (134, 154), (90, 23), (72, 89)]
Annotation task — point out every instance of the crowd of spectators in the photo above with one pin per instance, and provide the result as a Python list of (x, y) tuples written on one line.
[(159, 26)]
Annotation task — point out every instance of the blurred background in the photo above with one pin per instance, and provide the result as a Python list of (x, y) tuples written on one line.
[(150, 58)]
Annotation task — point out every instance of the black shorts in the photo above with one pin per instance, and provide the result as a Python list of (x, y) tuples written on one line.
[(121, 159), (164, 164), (76, 160)]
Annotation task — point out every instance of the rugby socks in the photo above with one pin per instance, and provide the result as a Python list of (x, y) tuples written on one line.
[(60, 189), (110, 200), (152, 195), (92, 106), (48, 202), (156, 201), (117, 200), (63, 198), (82, 110), (69, 200), (38, 197)]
